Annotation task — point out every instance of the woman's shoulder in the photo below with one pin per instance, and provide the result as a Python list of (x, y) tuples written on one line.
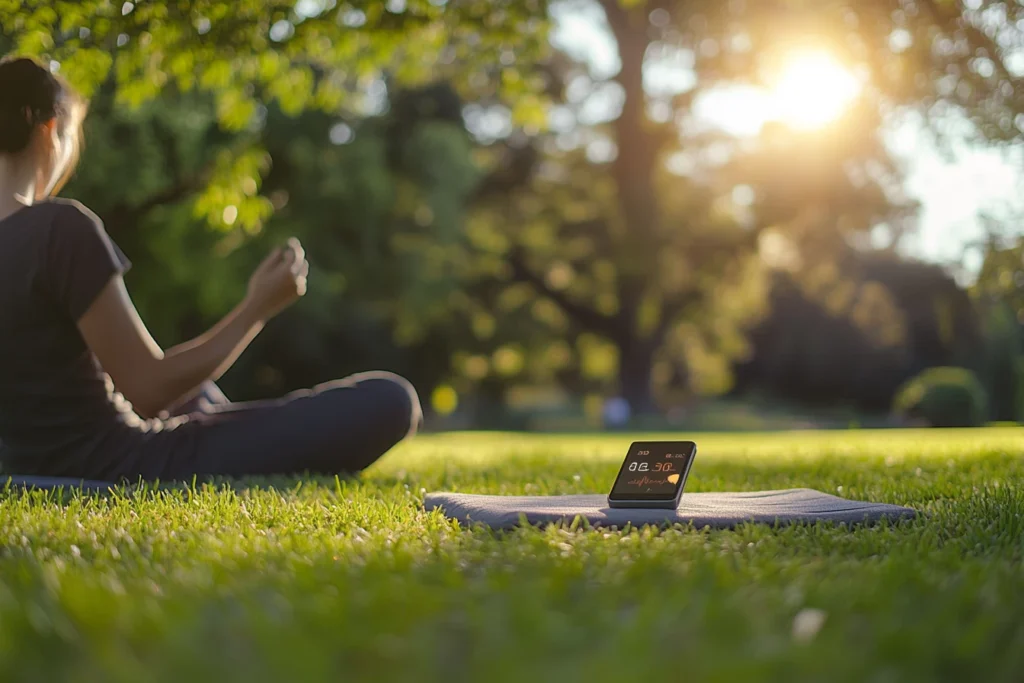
[(58, 215), (42, 216), (71, 211), (77, 230), (61, 221)]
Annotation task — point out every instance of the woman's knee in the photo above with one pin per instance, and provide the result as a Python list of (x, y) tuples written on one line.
[(386, 403), (398, 404)]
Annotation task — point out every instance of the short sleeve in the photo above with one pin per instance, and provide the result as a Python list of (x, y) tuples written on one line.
[(81, 259)]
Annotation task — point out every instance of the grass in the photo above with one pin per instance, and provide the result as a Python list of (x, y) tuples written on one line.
[(351, 580)]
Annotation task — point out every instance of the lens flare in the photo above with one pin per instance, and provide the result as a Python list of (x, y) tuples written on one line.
[(812, 89)]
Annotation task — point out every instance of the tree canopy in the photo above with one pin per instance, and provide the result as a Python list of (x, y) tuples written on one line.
[(295, 55)]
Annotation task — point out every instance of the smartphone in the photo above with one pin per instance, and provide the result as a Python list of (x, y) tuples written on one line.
[(653, 475)]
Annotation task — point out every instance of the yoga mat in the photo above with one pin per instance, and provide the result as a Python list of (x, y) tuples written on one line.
[(715, 510)]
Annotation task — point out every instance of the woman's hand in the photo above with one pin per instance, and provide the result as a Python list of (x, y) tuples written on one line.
[(278, 282)]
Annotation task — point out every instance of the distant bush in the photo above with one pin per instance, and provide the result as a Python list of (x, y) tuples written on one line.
[(943, 397)]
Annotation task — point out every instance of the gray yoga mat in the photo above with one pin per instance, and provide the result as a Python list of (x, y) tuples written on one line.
[(715, 510)]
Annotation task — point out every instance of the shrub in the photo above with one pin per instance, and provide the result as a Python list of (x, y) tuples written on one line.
[(943, 397)]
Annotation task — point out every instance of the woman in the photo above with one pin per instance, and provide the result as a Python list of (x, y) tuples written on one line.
[(69, 335)]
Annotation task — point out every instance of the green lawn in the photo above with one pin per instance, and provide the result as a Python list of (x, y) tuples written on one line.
[(353, 581)]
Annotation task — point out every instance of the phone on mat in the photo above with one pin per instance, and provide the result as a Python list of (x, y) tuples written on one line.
[(653, 475)]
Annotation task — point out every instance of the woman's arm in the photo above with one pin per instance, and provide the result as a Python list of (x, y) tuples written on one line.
[(152, 379)]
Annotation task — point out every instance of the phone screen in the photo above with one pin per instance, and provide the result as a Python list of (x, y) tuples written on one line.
[(654, 470)]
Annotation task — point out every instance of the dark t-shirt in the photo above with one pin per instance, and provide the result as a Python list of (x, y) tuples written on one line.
[(55, 400)]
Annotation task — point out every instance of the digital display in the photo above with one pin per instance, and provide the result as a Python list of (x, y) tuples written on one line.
[(654, 470)]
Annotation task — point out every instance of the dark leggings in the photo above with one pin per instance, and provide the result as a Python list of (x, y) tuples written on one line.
[(336, 428)]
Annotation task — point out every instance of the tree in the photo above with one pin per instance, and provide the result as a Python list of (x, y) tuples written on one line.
[(854, 341), (660, 261), (1001, 277), (999, 292)]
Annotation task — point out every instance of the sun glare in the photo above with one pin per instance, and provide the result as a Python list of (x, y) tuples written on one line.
[(808, 90), (811, 90)]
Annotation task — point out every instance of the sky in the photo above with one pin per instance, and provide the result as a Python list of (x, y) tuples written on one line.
[(952, 190)]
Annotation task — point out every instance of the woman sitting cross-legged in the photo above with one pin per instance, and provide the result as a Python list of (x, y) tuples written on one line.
[(86, 392)]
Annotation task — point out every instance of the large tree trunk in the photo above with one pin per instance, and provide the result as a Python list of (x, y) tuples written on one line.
[(638, 139), (636, 363), (639, 143)]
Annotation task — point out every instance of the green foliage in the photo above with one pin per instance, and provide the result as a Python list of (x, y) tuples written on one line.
[(250, 55), (1020, 389), (854, 337), (943, 397), (1004, 346), (230, 198), (317, 580), (1001, 277), (252, 52), (382, 213), (999, 292)]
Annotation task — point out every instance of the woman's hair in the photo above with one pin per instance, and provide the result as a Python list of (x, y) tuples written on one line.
[(30, 95)]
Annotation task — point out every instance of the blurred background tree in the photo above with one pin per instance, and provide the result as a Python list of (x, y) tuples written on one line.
[(492, 215), (999, 294), (652, 231)]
